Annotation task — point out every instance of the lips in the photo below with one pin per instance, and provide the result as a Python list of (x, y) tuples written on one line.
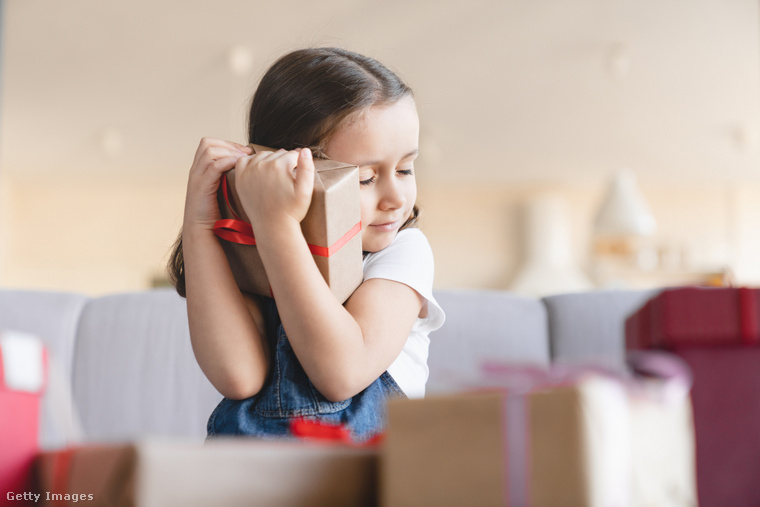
[(386, 226)]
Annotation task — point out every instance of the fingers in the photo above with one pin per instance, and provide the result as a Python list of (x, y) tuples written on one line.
[(216, 153), (211, 149), (245, 149), (222, 165), (275, 185), (305, 173), (283, 156), (213, 158), (280, 160)]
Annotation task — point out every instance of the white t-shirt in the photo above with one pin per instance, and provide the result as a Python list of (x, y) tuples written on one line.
[(409, 260)]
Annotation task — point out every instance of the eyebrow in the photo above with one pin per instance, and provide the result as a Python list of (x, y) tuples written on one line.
[(376, 162)]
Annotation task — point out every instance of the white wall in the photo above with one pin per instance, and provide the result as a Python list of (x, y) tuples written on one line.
[(476, 231), (95, 236), (516, 98), (100, 237)]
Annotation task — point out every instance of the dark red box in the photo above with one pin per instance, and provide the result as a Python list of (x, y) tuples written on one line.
[(693, 316), (715, 330)]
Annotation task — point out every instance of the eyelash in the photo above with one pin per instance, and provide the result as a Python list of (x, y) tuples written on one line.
[(403, 172)]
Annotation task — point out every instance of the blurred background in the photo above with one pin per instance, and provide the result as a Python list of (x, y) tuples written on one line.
[(565, 144)]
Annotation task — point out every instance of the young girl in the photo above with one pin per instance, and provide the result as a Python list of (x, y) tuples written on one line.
[(303, 353)]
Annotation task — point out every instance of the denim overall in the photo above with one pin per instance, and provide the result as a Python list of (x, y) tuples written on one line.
[(288, 393)]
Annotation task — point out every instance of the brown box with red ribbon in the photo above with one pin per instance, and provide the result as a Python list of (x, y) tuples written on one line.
[(332, 229), (233, 471), (696, 317), (591, 440)]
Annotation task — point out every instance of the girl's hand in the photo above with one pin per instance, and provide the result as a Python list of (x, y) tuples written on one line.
[(274, 187), (213, 158)]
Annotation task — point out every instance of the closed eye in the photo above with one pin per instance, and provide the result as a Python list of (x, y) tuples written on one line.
[(402, 172)]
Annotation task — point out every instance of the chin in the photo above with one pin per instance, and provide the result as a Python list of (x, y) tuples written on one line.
[(377, 244)]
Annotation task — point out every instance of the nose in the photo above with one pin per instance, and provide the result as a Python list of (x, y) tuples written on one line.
[(391, 195)]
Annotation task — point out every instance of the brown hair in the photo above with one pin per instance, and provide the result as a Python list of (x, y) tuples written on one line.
[(302, 99)]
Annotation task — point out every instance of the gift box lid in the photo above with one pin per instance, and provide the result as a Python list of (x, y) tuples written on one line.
[(223, 471), (22, 362), (696, 316)]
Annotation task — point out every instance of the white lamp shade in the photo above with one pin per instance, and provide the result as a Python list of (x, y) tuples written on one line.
[(624, 211), (548, 267)]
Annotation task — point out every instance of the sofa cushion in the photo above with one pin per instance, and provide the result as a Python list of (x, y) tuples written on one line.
[(484, 325), (135, 373), (590, 326)]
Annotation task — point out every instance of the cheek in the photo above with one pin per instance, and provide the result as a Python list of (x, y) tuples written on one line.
[(367, 208), (411, 195)]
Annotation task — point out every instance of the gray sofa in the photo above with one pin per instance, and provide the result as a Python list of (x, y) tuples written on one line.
[(128, 360)]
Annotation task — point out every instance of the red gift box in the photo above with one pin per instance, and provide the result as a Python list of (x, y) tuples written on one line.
[(726, 402), (22, 379), (692, 316), (714, 331)]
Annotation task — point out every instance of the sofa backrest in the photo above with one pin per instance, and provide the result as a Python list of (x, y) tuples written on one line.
[(589, 327), (134, 369), (483, 326), (134, 372), (53, 317)]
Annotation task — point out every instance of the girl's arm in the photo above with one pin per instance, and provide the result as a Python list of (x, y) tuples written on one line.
[(226, 328), (342, 349)]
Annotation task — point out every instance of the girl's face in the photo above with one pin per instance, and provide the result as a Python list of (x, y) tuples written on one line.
[(383, 141)]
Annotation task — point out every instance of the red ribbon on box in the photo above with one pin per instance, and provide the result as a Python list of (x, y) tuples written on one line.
[(320, 430), (748, 320), (61, 472), (238, 231)]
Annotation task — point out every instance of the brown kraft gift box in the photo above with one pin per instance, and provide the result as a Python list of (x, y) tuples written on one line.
[(229, 472), (588, 443), (332, 228)]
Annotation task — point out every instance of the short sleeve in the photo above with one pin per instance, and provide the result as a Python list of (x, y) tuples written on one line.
[(409, 260)]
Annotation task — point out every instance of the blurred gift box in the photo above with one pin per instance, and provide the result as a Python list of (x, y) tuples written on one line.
[(23, 362), (543, 439), (229, 472)]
